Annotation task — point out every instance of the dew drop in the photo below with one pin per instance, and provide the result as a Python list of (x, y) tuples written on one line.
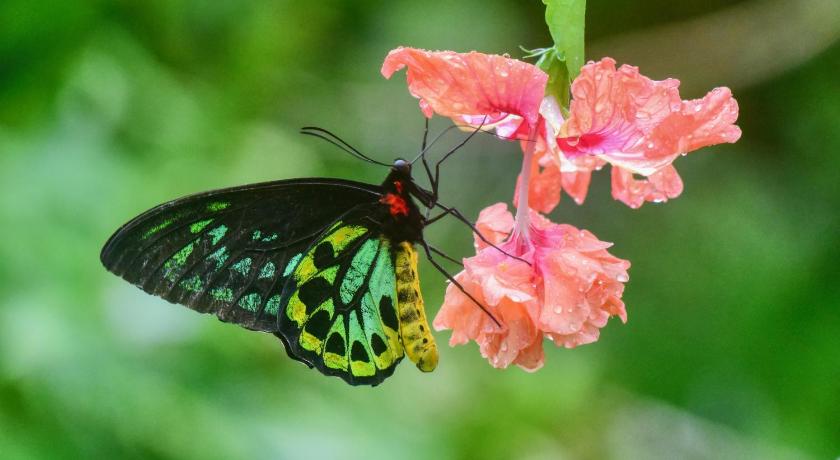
[(503, 73), (650, 145), (698, 108), (558, 310)]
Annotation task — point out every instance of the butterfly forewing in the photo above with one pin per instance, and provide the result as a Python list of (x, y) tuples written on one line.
[(229, 252)]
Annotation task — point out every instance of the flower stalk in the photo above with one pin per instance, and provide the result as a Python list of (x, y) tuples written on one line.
[(522, 220)]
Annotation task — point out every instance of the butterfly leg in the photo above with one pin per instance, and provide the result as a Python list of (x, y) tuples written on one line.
[(457, 214), (445, 255), (425, 134), (434, 180), (457, 284)]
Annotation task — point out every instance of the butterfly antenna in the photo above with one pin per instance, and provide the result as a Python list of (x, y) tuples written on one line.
[(333, 139)]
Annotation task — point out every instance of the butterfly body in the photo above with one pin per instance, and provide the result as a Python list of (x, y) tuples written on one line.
[(328, 266)]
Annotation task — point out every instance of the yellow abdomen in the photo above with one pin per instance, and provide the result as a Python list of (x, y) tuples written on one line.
[(414, 328)]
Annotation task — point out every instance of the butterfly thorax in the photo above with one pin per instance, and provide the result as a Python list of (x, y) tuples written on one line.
[(401, 219)]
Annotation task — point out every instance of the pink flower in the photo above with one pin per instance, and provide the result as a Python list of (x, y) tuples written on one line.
[(567, 293), (641, 126), (619, 116), (472, 88)]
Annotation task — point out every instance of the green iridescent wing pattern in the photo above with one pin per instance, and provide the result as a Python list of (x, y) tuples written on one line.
[(230, 252), (339, 306)]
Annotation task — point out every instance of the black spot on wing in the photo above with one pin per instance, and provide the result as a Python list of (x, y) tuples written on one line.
[(319, 324), (388, 313), (358, 352), (323, 257), (378, 345), (335, 344), (314, 292)]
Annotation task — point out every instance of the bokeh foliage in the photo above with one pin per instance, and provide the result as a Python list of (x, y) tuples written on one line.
[(108, 107)]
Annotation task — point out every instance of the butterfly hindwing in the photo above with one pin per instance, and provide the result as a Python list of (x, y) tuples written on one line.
[(339, 305), (230, 252)]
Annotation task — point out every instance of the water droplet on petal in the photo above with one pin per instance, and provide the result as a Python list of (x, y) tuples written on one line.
[(698, 108), (650, 145), (558, 310)]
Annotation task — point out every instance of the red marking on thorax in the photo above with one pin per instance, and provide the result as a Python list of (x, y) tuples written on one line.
[(397, 204), (396, 201)]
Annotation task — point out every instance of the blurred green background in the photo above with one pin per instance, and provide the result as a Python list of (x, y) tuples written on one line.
[(109, 107)]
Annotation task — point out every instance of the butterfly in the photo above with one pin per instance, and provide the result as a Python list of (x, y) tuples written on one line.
[(329, 266)]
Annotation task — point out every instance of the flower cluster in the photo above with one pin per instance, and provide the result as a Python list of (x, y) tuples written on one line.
[(617, 116), (567, 293), (566, 285)]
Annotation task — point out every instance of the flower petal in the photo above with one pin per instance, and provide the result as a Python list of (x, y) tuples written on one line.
[(460, 314), (495, 223), (545, 183), (582, 285), (658, 187), (501, 276), (641, 124), (470, 86)]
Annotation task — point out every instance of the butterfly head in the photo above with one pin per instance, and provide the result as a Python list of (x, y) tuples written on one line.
[(401, 166)]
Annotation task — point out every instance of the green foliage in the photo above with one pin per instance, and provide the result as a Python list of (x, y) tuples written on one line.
[(566, 23), (562, 61)]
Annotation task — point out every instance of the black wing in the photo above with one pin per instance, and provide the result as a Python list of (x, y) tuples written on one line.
[(229, 251)]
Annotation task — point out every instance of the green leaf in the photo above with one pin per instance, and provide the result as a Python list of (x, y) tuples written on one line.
[(565, 19), (554, 64)]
